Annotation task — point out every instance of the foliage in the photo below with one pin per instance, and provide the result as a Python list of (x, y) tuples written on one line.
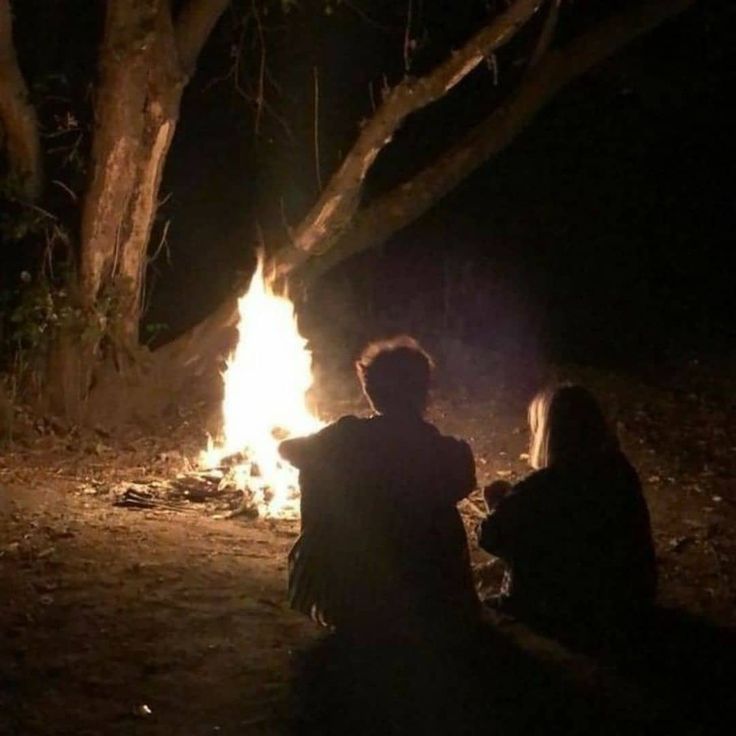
[(38, 311), (153, 331)]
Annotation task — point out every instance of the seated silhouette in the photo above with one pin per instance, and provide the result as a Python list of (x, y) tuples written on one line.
[(576, 533), (382, 546)]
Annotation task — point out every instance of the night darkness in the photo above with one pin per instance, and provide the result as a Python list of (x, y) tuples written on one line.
[(601, 232), (168, 516)]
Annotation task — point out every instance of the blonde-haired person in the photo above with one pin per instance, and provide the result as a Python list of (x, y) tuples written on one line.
[(575, 534), (383, 551)]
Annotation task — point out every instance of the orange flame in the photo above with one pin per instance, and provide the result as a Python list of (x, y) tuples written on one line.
[(266, 383)]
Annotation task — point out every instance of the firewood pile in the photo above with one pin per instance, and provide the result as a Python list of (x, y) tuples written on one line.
[(235, 488)]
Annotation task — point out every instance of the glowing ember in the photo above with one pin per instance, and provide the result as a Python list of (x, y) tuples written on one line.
[(266, 382)]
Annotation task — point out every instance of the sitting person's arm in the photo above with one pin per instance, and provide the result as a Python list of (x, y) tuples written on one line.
[(511, 508), (461, 480), (296, 450), (494, 492), (300, 451)]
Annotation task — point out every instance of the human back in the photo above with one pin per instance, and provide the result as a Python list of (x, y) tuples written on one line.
[(575, 533), (382, 539), (587, 553)]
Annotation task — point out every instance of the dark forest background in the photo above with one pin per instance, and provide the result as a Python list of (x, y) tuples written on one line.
[(602, 235)]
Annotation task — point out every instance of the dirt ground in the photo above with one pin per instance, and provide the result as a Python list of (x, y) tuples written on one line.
[(123, 621)]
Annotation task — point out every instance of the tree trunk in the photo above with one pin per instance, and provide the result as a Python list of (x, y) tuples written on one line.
[(160, 116), (17, 117), (146, 59), (135, 118)]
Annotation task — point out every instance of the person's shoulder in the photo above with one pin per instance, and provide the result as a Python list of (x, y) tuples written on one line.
[(345, 425), (538, 479), (445, 439), (630, 481), (617, 465), (625, 464), (300, 451), (448, 445), (450, 459), (345, 422)]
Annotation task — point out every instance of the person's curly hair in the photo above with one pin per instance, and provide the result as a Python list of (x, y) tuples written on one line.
[(395, 375)]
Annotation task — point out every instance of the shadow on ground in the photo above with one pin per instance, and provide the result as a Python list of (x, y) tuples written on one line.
[(504, 679)]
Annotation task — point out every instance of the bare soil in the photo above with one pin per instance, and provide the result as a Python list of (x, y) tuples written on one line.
[(122, 621)]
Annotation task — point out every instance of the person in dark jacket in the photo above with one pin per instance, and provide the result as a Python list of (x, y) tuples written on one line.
[(575, 534), (382, 544)]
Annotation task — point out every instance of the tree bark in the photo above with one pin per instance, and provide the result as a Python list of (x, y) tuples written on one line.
[(165, 85), (125, 57), (146, 60), (17, 117)]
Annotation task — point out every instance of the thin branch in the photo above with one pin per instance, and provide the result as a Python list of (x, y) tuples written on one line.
[(260, 96), (340, 198), (69, 191), (365, 17), (407, 37), (317, 167), (410, 200), (259, 100), (163, 243)]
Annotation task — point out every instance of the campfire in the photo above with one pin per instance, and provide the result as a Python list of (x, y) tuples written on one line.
[(266, 382)]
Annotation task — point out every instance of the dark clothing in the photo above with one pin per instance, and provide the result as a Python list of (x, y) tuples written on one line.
[(578, 544), (382, 542)]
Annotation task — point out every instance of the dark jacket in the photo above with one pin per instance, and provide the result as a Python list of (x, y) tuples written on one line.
[(578, 544), (382, 539)]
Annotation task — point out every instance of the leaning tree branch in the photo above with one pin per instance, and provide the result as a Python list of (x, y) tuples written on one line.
[(194, 24), (17, 116), (196, 353), (341, 198), (410, 200)]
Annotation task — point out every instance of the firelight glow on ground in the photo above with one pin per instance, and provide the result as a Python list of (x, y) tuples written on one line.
[(265, 388)]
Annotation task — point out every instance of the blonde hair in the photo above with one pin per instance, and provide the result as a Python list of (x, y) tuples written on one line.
[(539, 440), (567, 427)]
